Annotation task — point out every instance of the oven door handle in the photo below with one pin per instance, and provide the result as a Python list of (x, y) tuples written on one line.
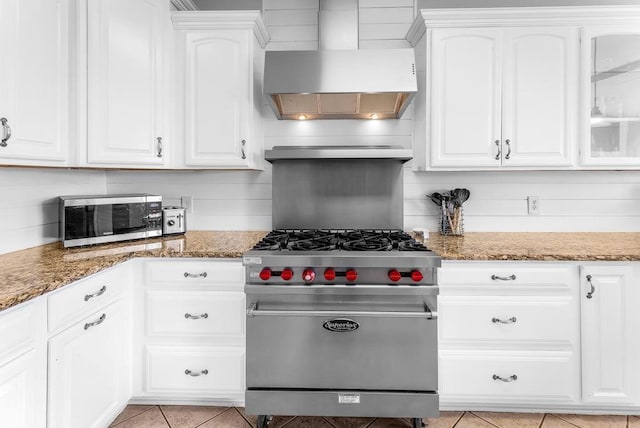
[(253, 311)]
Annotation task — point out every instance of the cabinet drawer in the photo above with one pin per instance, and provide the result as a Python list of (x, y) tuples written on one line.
[(85, 296), (228, 274), (527, 376), (200, 371), (22, 328), (195, 313), (505, 274), (504, 320)]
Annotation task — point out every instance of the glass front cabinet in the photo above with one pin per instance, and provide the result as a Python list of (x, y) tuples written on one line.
[(611, 86)]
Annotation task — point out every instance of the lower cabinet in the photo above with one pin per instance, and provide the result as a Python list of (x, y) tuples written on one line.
[(189, 340), (509, 335), (23, 365), (609, 297), (89, 360), (89, 370)]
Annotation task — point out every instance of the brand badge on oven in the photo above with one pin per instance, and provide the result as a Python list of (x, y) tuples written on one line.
[(340, 325)]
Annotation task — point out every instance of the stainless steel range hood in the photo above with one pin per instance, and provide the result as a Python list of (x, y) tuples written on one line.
[(339, 81), (338, 152), (340, 84)]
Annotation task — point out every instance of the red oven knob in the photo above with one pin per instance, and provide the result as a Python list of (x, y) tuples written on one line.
[(394, 275), (416, 275), (308, 275), (265, 274), (351, 275), (286, 274), (330, 274)]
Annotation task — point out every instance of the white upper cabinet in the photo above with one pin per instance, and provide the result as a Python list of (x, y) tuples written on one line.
[(35, 82), (126, 83), (220, 61), (465, 101), (540, 96), (498, 93), (611, 109)]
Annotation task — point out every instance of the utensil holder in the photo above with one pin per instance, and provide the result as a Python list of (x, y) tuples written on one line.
[(451, 220)]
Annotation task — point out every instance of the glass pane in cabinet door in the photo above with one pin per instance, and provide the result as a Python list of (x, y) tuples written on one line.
[(615, 96)]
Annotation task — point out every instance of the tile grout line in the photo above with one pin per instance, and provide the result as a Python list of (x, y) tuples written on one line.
[(458, 420), (327, 421), (241, 415), (480, 417), (124, 420), (210, 419), (164, 416), (570, 423)]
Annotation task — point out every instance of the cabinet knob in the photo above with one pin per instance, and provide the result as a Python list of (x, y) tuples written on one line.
[(244, 154), (592, 289), (6, 132), (499, 154)]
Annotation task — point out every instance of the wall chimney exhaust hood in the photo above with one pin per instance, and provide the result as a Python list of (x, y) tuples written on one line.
[(340, 84), (338, 81)]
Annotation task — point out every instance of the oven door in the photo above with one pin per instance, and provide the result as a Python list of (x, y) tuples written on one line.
[(342, 338)]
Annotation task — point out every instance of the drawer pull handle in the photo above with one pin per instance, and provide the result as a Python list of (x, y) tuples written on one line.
[(195, 275), (196, 317), (503, 278), (507, 379), (97, 322), (96, 294), (593, 287), (509, 321), (196, 374)]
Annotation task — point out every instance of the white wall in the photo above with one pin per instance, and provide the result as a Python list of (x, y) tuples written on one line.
[(569, 200), (29, 207)]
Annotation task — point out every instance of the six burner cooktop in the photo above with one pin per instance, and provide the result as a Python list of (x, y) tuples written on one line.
[(346, 240)]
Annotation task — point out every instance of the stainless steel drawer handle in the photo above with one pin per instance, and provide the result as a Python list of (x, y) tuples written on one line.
[(159, 154), (97, 322), (96, 294), (593, 287), (195, 275), (244, 154), (498, 320), (505, 379), (196, 317), (196, 374), (503, 278), (253, 311), (6, 132)]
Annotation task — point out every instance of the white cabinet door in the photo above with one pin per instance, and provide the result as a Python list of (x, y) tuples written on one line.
[(610, 346), (465, 105), (89, 369), (126, 43), (23, 365), (218, 81), (34, 81), (540, 96)]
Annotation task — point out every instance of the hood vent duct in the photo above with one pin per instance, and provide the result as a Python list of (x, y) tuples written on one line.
[(340, 82)]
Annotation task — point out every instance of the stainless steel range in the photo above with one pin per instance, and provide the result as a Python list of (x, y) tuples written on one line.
[(340, 321)]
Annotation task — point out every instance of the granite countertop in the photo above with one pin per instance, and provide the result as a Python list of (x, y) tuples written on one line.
[(35, 271), (546, 246), (29, 273)]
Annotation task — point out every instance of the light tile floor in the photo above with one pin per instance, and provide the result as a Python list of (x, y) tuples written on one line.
[(234, 417)]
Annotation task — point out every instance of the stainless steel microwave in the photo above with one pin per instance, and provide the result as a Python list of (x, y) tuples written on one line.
[(95, 219)]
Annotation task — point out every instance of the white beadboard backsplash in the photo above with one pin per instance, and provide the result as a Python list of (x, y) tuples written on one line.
[(569, 200), (29, 207)]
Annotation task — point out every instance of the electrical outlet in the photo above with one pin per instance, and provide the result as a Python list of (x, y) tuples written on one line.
[(187, 203), (533, 204)]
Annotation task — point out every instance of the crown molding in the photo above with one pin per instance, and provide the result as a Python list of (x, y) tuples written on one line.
[(223, 20)]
